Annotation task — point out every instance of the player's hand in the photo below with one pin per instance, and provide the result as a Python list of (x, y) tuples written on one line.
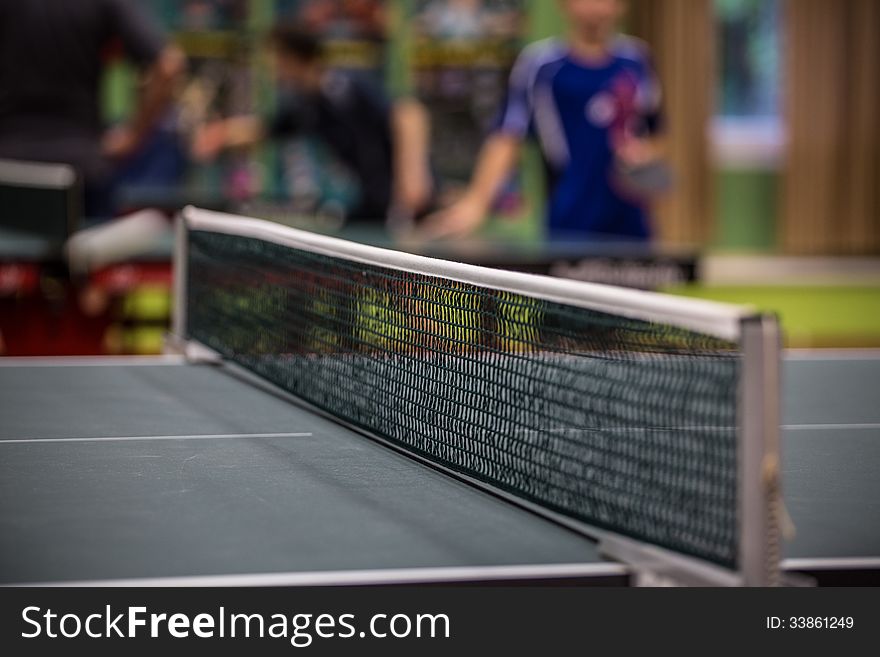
[(458, 220), (633, 152), (207, 141), (120, 142)]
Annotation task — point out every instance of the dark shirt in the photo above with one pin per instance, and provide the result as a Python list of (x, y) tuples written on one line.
[(51, 57), (352, 118)]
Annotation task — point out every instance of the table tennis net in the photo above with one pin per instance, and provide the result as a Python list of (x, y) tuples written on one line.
[(623, 423)]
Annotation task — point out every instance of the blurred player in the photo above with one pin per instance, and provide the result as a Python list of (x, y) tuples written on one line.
[(592, 101), (380, 144), (51, 58)]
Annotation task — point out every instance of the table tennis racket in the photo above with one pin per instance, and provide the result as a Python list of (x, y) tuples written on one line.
[(644, 180)]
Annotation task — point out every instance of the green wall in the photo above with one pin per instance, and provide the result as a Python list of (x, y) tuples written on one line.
[(745, 210), (545, 20)]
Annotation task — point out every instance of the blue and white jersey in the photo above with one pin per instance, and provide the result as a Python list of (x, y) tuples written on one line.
[(576, 110)]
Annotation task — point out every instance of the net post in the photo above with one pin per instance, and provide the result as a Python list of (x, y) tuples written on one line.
[(758, 445), (181, 255)]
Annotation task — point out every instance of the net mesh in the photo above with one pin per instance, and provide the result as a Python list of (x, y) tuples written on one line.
[(624, 424)]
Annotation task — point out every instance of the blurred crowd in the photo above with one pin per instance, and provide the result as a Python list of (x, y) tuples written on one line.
[(589, 99)]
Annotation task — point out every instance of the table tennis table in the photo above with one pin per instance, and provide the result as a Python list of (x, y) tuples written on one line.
[(163, 471)]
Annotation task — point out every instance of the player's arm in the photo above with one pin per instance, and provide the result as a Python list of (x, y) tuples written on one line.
[(235, 132), (649, 143), (162, 66), (495, 163), (160, 81), (245, 131), (410, 128)]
